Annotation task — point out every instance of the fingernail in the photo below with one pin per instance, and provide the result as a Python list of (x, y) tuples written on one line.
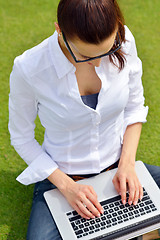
[(124, 202), (130, 202), (98, 215), (135, 202), (102, 211)]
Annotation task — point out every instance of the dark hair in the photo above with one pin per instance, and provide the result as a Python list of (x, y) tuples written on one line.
[(92, 21)]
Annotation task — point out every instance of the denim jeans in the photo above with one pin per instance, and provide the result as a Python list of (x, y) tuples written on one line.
[(41, 224)]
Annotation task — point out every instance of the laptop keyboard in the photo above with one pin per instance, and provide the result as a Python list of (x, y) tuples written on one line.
[(114, 213)]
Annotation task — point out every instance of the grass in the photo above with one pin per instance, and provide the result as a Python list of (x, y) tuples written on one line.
[(23, 25)]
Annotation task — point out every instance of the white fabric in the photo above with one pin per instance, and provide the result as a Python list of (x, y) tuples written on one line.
[(78, 139)]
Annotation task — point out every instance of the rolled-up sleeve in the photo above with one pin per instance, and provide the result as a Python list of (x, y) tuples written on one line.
[(135, 111), (22, 114)]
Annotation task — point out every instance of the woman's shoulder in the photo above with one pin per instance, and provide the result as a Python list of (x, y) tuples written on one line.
[(129, 40), (35, 59)]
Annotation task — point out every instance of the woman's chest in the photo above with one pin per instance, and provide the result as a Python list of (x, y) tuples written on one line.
[(88, 81), (63, 109)]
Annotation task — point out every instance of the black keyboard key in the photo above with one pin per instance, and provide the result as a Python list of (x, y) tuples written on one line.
[(130, 214), (97, 229), (125, 216), (83, 220), (154, 209), (74, 213), (148, 202), (125, 210), (126, 219), (111, 205), (111, 200), (120, 222), (108, 222), (98, 220), (108, 226), (85, 234), (70, 213), (111, 210), (86, 230), (105, 212), (145, 198), (141, 210), (103, 218), (103, 224), (86, 224), (97, 225), (114, 214), (115, 223), (136, 211), (79, 236), (116, 209), (75, 228), (146, 208), (114, 220), (117, 203), (74, 218), (102, 228), (136, 206), (152, 206), (92, 222), (105, 207), (81, 226), (148, 211), (122, 206), (79, 232), (131, 208), (91, 232), (141, 204), (120, 212), (91, 227)]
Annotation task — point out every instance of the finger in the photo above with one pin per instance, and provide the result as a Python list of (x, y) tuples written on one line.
[(123, 188), (80, 213), (84, 210), (131, 192), (140, 192), (93, 205), (116, 184), (92, 191), (92, 197), (136, 195)]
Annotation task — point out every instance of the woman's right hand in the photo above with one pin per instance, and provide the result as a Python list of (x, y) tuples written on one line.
[(83, 199)]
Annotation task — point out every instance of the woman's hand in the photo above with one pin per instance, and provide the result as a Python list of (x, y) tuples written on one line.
[(83, 199), (126, 179)]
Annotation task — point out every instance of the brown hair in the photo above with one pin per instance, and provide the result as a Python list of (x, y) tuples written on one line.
[(92, 21)]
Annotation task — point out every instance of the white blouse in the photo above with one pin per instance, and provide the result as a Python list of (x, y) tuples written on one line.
[(78, 139)]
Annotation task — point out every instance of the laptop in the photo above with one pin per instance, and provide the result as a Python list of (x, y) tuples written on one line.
[(118, 221)]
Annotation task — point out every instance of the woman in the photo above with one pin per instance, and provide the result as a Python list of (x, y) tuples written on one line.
[(84, 82)]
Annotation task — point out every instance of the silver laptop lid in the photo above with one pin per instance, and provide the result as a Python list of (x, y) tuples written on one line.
[(104, 188)]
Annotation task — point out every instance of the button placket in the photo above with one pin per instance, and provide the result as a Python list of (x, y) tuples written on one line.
[(95, 139)]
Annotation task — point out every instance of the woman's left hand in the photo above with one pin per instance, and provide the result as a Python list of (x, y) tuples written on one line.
[(126, 179)]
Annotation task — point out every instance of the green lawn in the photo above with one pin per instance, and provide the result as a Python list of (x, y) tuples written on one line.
[(25, 23)]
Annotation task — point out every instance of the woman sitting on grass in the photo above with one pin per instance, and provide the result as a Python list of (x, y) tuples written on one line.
[(84, 82)]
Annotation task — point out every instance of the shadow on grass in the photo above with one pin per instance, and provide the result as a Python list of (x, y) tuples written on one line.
[(15, 202)]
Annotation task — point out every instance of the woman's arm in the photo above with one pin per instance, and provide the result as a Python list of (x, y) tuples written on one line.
[(126, 174), (22, 114), (82, 198)]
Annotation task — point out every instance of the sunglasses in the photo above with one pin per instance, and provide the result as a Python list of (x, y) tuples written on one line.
[(116, 47)]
